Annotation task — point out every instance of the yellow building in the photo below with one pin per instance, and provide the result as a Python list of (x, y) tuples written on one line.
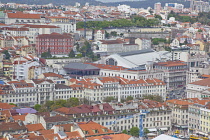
[(31, 72), (201, 43), (205, 120), (8, 69), (28, 49)]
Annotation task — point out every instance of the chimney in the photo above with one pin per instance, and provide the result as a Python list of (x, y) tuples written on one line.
[(101, 107)]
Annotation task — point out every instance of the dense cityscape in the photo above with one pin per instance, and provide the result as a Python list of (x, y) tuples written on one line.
[(96, 72)]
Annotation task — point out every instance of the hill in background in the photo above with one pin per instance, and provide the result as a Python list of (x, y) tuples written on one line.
[(134, 4)]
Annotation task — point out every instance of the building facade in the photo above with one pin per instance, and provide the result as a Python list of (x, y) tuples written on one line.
[(57, 44)]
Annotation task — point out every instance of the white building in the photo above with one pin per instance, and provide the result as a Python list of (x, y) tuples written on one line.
[(124, 8), (198, 89), (135, 59), (35, 30), (99, 35), (21, 69), (108, 47), (97, 89), (143, 43), (20, 17)]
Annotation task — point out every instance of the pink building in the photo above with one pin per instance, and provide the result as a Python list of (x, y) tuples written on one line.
[(58, 44), (157, 8)]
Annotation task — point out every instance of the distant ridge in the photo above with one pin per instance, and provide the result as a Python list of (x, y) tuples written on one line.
[(133, 4)]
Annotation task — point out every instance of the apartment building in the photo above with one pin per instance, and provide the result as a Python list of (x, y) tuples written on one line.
[(198, 89), (97, 89), (118, 117), (35, 30), (20, 17), (57, 44), (67, 24), (8, 69), (112, 70), (176, 73), (198, 122), (179, 112), (143, 43), (186, 113), (29, 93), (199, 6), (109, 46), (21, 68), (99, 35)]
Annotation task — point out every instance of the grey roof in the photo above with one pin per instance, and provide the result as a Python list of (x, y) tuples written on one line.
[(56, 119), (80, 66), (61, 133), (136, 52), (61, 86)]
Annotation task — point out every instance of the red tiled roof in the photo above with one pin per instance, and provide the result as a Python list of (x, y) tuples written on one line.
[(111, 137), (51, 74), (91, 126), (171, 63), (204, 82), (22, 15), (6, 106), (55, 36), (19, 117), (35, 127)]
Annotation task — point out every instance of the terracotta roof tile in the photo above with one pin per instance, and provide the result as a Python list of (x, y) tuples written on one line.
[(204, 82), (35, 127), (22, 15), (111, 137), (51, 74), (5, 106), (91, 126), (19, 117)]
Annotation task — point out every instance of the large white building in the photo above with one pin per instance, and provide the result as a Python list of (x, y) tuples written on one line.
[(21, 69), (97, 89), (135, 59), (198, 89)]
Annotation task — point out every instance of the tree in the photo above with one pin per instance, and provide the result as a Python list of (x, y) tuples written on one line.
[(146, 131), (113, 33), (55, 106), (60, 102), (107, 34), (153, 97), (129, 98), (12, 104), (7, 55), (85, 101), (151, 11), (200, 30), (72, 54), (109, 99), (158, 17), (46, 55), (72, 102), (134, 131), (37, 107), (125, 131), (48, 104)]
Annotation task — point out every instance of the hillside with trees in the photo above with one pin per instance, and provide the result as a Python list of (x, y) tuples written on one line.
[(134, 21)]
